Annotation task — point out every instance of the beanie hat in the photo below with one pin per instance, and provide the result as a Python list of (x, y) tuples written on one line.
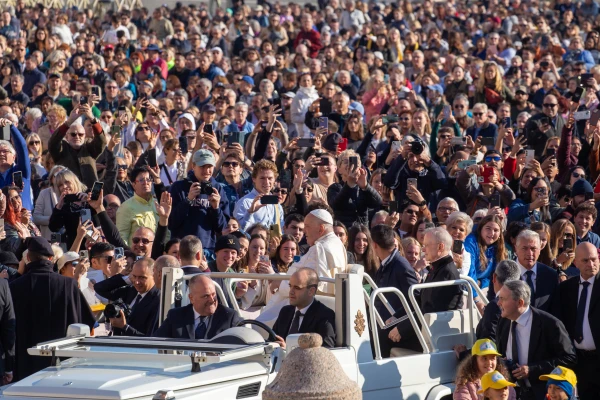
[(581, 187), (227, 242)]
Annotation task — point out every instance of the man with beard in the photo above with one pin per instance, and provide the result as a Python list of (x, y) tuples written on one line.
[(521, 103), (46, 303)]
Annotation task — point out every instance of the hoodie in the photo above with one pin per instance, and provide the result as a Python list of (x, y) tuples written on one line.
[(197, 218)]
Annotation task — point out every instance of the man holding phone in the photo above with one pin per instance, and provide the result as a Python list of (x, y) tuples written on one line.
[(540, 127), (259, 206), (15, 159), (200, 205)]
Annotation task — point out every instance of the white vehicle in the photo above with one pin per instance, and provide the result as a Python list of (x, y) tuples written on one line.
[(239, 363)]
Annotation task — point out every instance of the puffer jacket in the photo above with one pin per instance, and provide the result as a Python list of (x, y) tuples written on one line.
[(304, 98)]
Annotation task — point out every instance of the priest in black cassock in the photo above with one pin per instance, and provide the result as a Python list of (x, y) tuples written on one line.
[(45, 304)]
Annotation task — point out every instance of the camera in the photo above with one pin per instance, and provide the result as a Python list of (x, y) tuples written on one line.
[(416, 147), (510, 366), (113, 310), (206, 188)]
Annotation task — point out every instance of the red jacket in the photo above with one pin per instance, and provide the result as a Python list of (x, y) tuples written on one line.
[(314, 38)]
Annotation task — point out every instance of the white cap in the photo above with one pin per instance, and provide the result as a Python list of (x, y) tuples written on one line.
[(67, 257), (323, 215)]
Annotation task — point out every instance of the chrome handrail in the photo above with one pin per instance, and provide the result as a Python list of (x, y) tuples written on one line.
[(409, 315), (419, 313)]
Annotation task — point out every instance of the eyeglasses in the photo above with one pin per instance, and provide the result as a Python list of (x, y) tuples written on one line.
[(578, 175), (447, 209), (444, 137), (75, 134), (541, 190), (309, 189), (299, 288), (459, 107), (233, 164), (107, 258), (122, 166), (495, 158), (144, 180), (112, 87), (136, 240), (478, 114), (550, 105), (282, 191)]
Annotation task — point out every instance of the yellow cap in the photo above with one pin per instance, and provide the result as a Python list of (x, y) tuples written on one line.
[(494, 380), (484, 347), (561, 374)]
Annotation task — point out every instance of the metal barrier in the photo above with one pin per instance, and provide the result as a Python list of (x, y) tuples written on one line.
[(409, 315), (419, 313), (381, 297)]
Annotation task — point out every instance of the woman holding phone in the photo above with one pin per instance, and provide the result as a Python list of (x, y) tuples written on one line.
[(562, 246), (535, 207), (256, 262)]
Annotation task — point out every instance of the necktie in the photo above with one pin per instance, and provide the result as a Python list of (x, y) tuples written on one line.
[(515, 346), (138, 298), (529, 280), (295, 323), (200, 331), (581, 312)]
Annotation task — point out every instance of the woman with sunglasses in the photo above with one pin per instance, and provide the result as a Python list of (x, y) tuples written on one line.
[(535, 206), (486, 248), (563, 231), (173, 168), (573, 175), (18, 225), (34, 145)]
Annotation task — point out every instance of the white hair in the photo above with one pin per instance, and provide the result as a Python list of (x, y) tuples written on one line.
[(241, 104), (442, 236), (528, 235), (450, 200), (206, 82), (8, 145), (35, 113), (459, 216)]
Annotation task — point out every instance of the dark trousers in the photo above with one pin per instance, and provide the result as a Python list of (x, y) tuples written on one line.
[(588, 372)]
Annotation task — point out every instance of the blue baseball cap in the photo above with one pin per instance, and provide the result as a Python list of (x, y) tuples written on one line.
[(248, 79)]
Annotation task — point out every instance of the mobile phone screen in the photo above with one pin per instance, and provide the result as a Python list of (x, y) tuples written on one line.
[(96, 190)]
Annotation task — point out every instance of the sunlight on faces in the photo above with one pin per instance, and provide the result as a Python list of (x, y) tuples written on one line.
[(490, 233), (264, 181), (203, 296), (141, 277)]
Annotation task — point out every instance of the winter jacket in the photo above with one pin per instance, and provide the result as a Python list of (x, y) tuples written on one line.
[(351, 204), (197, 218), (483, 277), (304, 98)]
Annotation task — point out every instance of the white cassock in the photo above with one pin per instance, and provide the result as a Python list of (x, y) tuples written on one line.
[(327, 256)]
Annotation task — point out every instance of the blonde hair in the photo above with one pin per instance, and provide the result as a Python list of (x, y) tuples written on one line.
[(498, 82), (60, 111), (67, 175), (345, 156)]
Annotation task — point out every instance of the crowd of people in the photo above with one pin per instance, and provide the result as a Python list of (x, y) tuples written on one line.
[(421, 140)]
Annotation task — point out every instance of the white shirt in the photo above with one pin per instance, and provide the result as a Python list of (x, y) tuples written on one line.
[(588, 340), (172, 172), (303, 312), (524, 276), (523, 334)]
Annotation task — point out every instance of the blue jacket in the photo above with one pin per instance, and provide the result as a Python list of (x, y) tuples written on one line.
[(483, 277), (488, 130), (212, 72), (30, 78), (591, 237), (519, 211), (22, 164), (198, 219), (580, 55), (232, 194)]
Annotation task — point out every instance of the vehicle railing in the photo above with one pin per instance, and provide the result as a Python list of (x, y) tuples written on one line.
[(480, 293), (411, 318), (421, 317), (381, 297)]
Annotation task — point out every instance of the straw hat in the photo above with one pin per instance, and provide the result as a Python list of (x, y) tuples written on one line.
[(311, 372)]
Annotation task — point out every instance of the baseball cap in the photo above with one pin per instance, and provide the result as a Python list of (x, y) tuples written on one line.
[(494, 380), (522, 89), (356, 106), (379, 55), (209, 108), (562, 377), (484, 347), (290, 95), (204, 157), (153, 47), (54, 75), (227, 242), (67, 257), (436, 88), (248, 79)]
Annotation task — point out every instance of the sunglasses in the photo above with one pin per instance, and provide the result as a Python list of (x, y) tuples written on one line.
[(228, 164), (282, 191), (550, 105), (143, 128), (107, 258), (35, 142), (541, 190), (578, 175), (478, 114), (136, 240), (506, 149), (74, 134), (122, 166), (495, 158), (308, 189)]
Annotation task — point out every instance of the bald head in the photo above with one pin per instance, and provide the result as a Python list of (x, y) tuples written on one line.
[(203, 295), (112, 199), (163, 262), (586, 260), (550, 111)]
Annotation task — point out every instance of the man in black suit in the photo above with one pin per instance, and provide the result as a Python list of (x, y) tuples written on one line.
[(505, 271), (203, 318), (579, 310), (7, 333), (191, 255), (437, 245), (541, 279), (534, 340), (139, 292), (395, 271), (305, 314)]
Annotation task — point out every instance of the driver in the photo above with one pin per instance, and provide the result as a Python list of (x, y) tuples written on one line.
[(203, 318)]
